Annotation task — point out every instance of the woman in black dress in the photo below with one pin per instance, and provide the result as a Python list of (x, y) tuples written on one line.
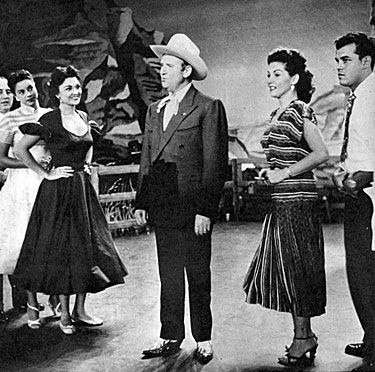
[(68, 248)]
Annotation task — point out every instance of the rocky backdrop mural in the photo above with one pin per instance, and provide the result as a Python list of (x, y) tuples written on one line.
[(118, 69), (119, 72)]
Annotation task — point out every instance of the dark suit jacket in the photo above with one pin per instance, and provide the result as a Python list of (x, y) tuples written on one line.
[(183, 169)]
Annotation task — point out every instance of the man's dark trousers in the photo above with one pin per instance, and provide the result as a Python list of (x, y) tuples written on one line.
[(360, 264), (179, 249)]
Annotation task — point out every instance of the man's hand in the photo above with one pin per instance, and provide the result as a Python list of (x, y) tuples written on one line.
[(357, 181), (141, 216), (202, 225)]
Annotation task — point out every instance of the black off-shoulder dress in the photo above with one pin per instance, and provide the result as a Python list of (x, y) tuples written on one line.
[(68, 247)]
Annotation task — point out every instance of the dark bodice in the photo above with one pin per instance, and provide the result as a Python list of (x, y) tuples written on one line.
[(66, 148)]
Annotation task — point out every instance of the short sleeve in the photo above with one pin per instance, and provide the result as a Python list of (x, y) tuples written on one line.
[(35, 129), (6, 136), (304, 110), (6, 131)]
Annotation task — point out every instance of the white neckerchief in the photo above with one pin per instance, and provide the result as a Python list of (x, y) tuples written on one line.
[(171, 103)]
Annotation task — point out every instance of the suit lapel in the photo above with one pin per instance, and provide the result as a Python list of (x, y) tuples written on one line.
[(185, 107)]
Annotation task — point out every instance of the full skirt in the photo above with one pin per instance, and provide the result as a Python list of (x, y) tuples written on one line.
[(68, 247)]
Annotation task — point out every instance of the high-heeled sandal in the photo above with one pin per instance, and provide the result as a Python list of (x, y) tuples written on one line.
[(67, 329), (305, 360), (314, 336), (56, 310), (34, 324)]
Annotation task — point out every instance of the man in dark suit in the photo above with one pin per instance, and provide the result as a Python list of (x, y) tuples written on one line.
[(182, 173)]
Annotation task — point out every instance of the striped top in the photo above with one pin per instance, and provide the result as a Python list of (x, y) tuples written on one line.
[(284, 145)]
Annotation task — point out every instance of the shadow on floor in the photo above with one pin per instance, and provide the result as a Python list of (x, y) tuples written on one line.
[(23, 348)]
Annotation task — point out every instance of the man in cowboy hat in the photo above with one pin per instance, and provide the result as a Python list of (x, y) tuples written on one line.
[(182, 172)]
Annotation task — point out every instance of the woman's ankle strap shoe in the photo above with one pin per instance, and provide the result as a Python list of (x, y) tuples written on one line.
[(67, 329), (34, 323)]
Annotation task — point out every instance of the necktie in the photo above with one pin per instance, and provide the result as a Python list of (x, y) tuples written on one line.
[(348, 112), (171, 108)]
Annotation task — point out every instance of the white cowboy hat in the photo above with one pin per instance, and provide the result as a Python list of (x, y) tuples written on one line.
[(181, 46)]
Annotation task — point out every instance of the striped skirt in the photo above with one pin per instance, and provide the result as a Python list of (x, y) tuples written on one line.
[(287, 271)]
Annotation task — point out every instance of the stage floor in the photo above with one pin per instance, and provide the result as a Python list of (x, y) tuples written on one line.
[(245, 337)]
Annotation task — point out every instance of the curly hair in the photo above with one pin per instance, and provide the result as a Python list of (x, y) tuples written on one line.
[(363, 45), (295, 63), (58, 76)]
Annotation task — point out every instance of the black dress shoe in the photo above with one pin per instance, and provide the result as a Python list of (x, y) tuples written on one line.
[(357, 350), (167, 348), (365, 367), (204, 355), (3, 317)]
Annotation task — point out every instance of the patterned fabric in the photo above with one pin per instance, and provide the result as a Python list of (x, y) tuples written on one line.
[(284, 145), (287, 271), (348, 112)]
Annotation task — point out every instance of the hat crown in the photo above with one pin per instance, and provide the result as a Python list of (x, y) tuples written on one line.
[(181, 46), (183, 43)]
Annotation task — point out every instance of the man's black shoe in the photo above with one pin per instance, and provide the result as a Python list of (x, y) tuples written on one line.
[(357, 350), (204, 352), (365, 367), (165, 348), (3, 317)]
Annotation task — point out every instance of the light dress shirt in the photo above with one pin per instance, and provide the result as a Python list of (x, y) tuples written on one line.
[(172, 102), (361, 145)]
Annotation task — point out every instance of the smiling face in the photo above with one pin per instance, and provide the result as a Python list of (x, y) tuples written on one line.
[(6, 96), (27, 93), (173, 73), (349, 67), (70, 92), (278, 80)]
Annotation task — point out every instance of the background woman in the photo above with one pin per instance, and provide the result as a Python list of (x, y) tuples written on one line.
[(19, 191), (287, 272), (68, 248), (6, 101)]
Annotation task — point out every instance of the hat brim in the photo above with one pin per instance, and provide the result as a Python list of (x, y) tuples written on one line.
[(200, 69)]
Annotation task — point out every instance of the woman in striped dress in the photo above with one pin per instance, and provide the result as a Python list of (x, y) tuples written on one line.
[(287, 272)]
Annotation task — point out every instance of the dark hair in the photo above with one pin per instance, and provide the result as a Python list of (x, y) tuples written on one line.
[(58, 76), (363, 45), (16, 77), (295, 63)]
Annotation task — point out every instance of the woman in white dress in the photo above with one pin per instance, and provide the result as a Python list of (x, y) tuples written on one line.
[(6, 102), (18, 193)]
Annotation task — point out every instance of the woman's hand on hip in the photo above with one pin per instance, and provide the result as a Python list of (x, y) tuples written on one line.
[(59, 172)]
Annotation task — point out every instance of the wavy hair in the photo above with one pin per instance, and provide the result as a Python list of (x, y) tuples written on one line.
[(58, 76), (295, 63), (363, 45)]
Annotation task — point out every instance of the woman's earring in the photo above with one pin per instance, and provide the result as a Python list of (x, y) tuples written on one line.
[(292, 87)]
